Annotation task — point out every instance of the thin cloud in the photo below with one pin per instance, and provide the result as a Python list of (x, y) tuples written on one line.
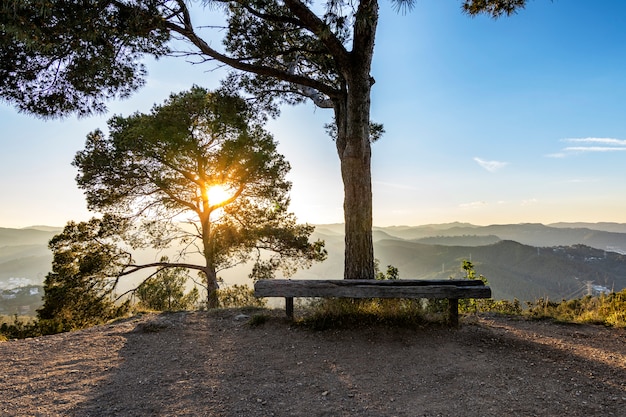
[(473, 205), (491, 166), (604, 141), (529, 202), (593, 149), (595, 145)]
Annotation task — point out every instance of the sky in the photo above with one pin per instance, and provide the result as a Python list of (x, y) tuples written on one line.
[(516, 120)]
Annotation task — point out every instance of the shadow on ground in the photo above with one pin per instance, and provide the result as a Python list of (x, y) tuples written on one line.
[(215, 364)]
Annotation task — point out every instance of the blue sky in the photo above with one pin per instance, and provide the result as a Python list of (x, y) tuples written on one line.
[(522, 119)]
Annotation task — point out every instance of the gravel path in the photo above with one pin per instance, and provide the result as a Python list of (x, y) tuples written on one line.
[(216, 364)]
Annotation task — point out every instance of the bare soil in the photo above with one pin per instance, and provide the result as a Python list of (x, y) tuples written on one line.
[(216, 364)]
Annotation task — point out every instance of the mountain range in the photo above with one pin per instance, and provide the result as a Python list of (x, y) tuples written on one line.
[(523, 261)]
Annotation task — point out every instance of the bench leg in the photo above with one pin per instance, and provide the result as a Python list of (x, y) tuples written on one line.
[(289, 307), (453, 311)]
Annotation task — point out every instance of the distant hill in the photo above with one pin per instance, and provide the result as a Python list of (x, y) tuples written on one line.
[(31, 267), (429, 230), (465, 240), (512, 269), (27, 236), (604, 226), (45, 228), (9, 253), (24, 254), (528, 233)]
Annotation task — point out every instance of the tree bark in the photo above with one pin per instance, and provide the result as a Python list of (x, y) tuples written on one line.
[(359, 252), (212, 287), (209, 252), (353, 148)]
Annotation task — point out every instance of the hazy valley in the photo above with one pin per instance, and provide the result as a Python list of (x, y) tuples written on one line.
[(523, 261)]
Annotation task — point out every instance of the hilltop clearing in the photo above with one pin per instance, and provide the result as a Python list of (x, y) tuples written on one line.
[(216, 364)]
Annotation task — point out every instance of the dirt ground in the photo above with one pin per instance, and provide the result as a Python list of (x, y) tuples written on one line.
[(216, 364)]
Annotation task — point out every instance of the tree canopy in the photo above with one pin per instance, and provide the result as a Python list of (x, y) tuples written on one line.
[(203, 160), (86, 263), (59, 57), (63, 57)]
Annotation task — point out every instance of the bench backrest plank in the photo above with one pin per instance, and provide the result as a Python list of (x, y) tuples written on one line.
[(373, 288)]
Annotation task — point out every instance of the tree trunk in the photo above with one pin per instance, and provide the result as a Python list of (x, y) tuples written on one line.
[(352, 115), (354, 150), (212, 287), (209, 253), (357, 206)]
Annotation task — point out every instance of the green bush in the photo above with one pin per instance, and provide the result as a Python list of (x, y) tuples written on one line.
[(505, 307), (607, 309), (239, 296), (67, 319), (353, 313), (20, 328)]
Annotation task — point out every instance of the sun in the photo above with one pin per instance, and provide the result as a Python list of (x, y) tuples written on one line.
[(218, 194)]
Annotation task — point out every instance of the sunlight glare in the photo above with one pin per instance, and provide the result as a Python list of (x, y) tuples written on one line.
[(218, 194)]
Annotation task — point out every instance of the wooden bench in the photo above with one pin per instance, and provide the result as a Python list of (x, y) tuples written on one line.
[(451, 289)]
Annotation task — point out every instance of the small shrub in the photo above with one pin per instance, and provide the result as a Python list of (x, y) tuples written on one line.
[(67, 319), (436, 306), (330, 313), (21, 328), (470, 305), (238, 296), (607, 309), (392, 272), (614, 309), (504, 307)]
